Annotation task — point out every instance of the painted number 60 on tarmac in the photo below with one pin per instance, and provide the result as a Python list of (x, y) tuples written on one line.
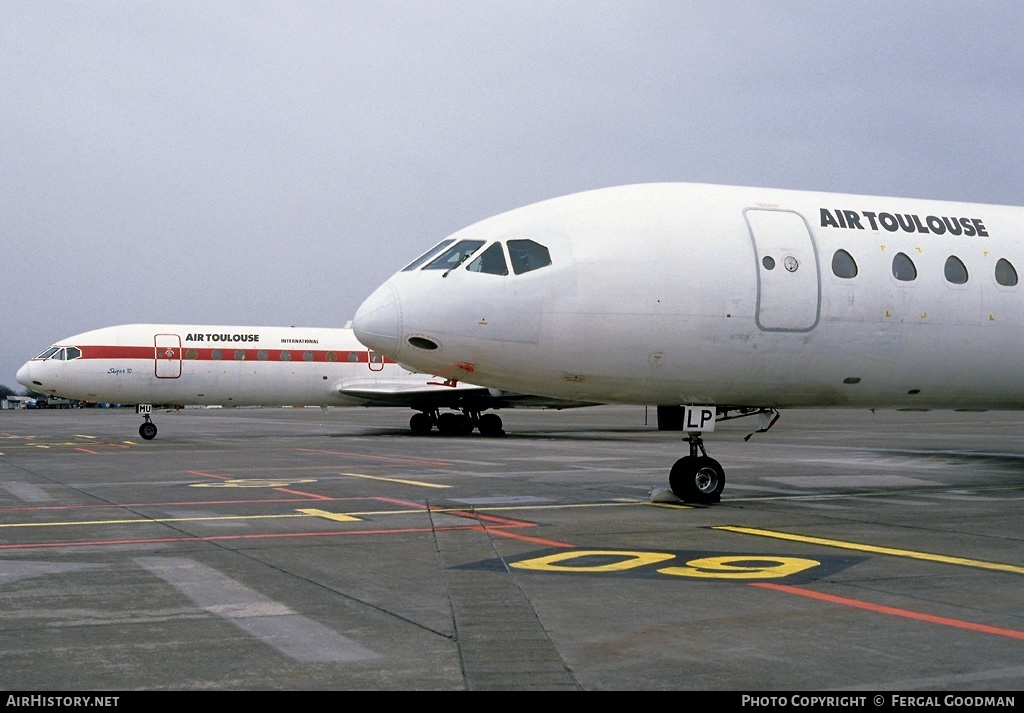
[(724, 567)]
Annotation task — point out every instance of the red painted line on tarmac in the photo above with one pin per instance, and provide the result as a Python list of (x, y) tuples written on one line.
[(458, 513), (363, 455), (524, 538), (906, 613), (407, 503), (490, 518)]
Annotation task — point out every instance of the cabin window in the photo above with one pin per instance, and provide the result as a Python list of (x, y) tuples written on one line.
[(217, 354), (425, 256), (1005, 274), (191, 354), (769, 262), (903, 268), (454, 256), (307, 356), (240, 354), (353, 356), (526, 255), (262, 355), (331, 356), (955, 270), (286, 356), (843, 265), (491, 261)]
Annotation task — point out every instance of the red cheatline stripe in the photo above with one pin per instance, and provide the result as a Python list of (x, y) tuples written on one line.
[(228, 353), (907, 614)]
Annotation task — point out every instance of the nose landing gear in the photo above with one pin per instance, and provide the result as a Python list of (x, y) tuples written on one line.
[(697, 478), (148, 429)]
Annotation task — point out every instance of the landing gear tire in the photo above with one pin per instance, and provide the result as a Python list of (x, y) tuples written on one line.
[(450, 424), (420, 424), (148, 430), (490, 425), (697, 479)]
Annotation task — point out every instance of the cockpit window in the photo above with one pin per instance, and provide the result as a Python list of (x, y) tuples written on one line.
[(527, 255), (48, 353), (491, 261), (425, 256), (454, 256), (74, 353)]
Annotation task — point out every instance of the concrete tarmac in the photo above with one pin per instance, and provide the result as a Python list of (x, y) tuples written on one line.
[(296, 550)]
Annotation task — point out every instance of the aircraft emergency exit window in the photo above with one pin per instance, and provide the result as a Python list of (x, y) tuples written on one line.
[(423, 258), (843, 265), (286, 356), (1005, 274), (903, 268), (47, 354), (454, 255), (955, 270), (526, 255), (491, 261)]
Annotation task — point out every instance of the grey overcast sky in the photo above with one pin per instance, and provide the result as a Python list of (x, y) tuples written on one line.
[(270, 163)]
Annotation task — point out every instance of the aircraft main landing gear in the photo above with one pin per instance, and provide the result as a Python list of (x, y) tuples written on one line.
[(455, 424), (697, 478)]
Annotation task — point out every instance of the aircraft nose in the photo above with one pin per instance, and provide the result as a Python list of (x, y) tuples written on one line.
[(24, 375), (378, 322)]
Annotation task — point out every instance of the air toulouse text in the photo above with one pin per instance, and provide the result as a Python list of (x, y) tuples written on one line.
[(222, 337), (907, 222)]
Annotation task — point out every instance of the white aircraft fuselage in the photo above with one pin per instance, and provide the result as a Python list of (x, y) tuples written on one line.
[(673, 294), (660, 294), (211, 365), (187, 364)]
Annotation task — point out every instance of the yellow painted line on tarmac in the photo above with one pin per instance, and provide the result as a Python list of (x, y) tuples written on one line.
[(397, 480), (311, 512), (336, 516), (909, 554), (158, 521)]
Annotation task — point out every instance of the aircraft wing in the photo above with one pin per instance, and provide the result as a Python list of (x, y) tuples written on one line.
[(433, 393)]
